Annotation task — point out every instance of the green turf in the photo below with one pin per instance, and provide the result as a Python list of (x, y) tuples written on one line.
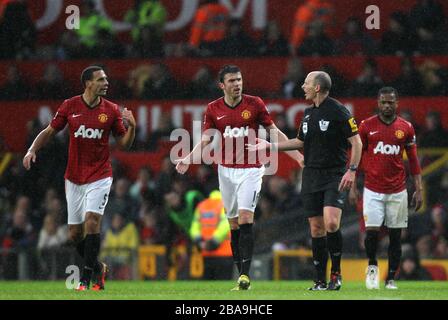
[(220, 290)]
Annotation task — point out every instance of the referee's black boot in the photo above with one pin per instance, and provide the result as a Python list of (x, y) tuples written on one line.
[(319, 285), (335, 281)]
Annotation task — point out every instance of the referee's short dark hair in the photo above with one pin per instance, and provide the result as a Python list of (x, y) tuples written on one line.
[(87, 74), (228, 68), (388, 90), (323, 79)]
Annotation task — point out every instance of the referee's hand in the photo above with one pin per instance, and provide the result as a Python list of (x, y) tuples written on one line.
[(347, 180)]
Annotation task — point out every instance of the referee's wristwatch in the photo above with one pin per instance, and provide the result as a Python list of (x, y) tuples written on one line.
[(353, 168)]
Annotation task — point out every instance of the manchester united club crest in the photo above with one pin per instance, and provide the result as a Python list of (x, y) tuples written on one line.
[(102, 117), (246, 114), (399, 134)]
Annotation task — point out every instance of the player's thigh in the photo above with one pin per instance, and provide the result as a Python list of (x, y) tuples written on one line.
[(97, 195), (76, 196), (374, 208), (249, 188), (228, 189), (397, 210)]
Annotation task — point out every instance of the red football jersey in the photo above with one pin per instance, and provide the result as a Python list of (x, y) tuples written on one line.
[(382, 157), (235, 124), (88, 153)]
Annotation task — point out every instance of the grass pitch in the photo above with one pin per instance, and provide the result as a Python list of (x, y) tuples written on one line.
[(219, 290)]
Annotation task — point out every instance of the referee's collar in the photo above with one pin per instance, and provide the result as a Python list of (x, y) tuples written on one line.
[(323, 102)]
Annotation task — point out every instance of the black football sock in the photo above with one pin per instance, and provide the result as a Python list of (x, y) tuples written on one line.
[(246, 247), (320, 257), (394, 252), (91, 251), (334, 244), (80, 247), (371, 244), (234, 243)]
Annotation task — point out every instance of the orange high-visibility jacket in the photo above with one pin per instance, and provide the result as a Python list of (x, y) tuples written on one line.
[(307, 13), (210, 222), (210, 24)]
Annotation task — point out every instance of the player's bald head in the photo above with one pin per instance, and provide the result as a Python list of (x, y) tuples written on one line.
[(322, 79)]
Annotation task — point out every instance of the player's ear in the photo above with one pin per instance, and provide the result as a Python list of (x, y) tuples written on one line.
[(221, 85)]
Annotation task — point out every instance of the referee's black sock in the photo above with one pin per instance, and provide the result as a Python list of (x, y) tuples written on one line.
[(320, 257), (394, 252), (371, 244), (246, 247), (234, 244), (334, 244), (91, 251)]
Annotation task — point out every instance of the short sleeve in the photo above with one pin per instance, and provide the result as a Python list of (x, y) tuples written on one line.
[(410, 137), (208, 122), (363, 134), (118, 128), (59, 120), (264, 117), (348, 124)]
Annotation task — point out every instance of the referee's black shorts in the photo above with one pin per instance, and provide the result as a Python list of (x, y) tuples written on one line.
[(320, 189)]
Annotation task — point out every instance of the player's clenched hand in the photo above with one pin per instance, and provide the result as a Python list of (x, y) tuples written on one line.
[(347, 180), (417, 199), (127, 115), (30, 156), (261, 145), (182, 165)]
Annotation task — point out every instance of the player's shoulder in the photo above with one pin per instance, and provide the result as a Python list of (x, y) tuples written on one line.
[(216, 103), (338, 106), (110, 106), (403, 122), (71, 103), (369, 120)]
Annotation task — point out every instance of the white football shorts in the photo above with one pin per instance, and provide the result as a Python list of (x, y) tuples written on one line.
[(240, 188), (89, 197), (392, 209)]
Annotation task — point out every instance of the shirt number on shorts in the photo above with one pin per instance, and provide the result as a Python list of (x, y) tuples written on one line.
[(104, 202)]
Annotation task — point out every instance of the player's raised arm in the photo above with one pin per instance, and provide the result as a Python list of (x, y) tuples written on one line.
[(39, 142), (281, 137), (125, 142), (184, 163), (290, 144)]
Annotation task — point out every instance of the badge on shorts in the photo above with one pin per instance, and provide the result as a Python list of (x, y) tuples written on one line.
[(323, 125)]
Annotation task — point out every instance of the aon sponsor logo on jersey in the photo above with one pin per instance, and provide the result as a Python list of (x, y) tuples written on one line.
[(89, 133), (386, 148), (236, 132)]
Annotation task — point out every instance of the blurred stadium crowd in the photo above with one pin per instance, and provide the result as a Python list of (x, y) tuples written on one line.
[(32, 204)]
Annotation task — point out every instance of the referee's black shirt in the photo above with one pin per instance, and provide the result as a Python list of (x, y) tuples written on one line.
[(324, 131)]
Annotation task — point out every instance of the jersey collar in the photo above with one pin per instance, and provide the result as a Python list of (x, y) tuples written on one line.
[(90, 107), (235, 106)]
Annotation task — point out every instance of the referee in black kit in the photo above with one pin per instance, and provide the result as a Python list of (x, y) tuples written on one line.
[(326, 131)]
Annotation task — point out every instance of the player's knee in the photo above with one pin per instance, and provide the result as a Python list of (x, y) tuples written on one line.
[(75, 236), (317, 230), (92, 223), (332, 226)]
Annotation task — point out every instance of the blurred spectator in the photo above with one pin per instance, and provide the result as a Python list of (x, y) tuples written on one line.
[(144, 186), (52, 235), (368, 82), (107, 46), (52, 85), (118, 247), (430, 42), (162, 133), (293, 80), (120, 202), (149, 228), (165, 179), (433, 135), (17, 31), (205, 179), (399, 38), (210, 232), (408, 82), (148, 19), (284, 197), (355, 41), (160, 84), (137, 78), (427, 14), (339, 85), (15, 87), (209, 28), (317, 43), (91, 24), (311, 10), (273, 43), (434, 78), (407, 115), (237, 43), (411, 269), (281, 122), (69, 46), (203, 85)]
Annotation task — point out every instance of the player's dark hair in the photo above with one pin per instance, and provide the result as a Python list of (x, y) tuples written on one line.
[(388, 90), (229, 68), (87, 74), (324, 80)]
